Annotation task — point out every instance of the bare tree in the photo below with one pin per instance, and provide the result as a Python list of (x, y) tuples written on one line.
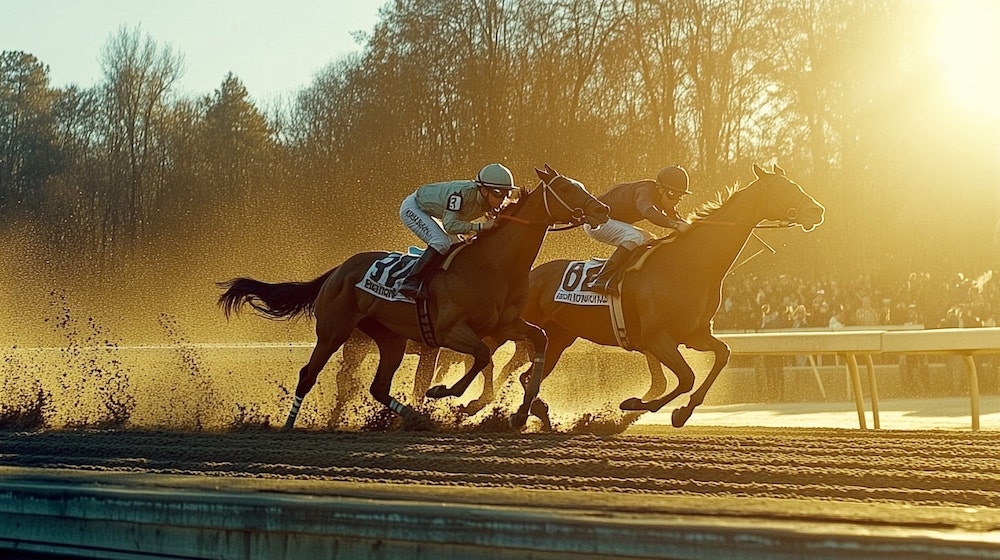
[(138, 77)]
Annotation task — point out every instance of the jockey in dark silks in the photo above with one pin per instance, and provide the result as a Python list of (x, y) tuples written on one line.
[(655, 201)]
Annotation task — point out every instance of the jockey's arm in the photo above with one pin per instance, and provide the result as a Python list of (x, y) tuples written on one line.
[(657, 216), (455, 225)]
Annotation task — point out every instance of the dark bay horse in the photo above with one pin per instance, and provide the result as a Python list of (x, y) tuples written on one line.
[(481, 294), (673, 297)]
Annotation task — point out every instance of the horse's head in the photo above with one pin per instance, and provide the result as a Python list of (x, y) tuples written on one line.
[(785, 201), (568, 201)]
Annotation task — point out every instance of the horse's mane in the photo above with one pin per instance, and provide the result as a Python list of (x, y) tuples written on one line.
[(707, 208)]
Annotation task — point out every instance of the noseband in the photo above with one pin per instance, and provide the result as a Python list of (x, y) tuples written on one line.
[(577, 215), (790, 221)]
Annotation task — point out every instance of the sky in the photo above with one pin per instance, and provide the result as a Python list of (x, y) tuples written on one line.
[(274, 47)]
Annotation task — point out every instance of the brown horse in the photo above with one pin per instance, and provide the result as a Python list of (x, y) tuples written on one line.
[(482, 293), (673, 297), (359, 346)]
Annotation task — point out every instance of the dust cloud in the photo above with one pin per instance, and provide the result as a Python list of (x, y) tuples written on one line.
[(128, 337)]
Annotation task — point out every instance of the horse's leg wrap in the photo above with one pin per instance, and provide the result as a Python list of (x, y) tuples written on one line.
[(401, 409), (538, 365), (293, 413), (530, 389)]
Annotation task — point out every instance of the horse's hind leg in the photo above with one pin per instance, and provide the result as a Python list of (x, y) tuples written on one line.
[(353, 353), (325, 347)]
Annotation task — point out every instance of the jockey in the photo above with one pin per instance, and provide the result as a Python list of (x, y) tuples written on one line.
[(437, 213), (655, 201)]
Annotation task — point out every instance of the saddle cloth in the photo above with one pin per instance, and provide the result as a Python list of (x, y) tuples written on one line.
[(386, 275), (578, 275), (573, 288)]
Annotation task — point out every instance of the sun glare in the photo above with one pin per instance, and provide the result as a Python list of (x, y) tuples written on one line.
[(968, 46)]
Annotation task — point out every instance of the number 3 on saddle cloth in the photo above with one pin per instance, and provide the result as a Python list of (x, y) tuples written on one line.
[(386, 275), (574, 290)]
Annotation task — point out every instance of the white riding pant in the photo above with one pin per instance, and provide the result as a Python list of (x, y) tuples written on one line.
[(619, 234), (425, 226)]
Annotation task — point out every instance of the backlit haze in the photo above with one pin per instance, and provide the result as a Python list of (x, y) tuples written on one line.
[(904, 158)]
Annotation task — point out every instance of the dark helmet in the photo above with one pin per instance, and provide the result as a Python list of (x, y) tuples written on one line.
[(673, 180)]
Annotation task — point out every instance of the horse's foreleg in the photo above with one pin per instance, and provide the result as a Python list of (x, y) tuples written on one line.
[(445, 361), (425, 371), (657, 381), (681, 415), (665, 352), (466, 342), (487, 395), (522, 356), (532, 385)]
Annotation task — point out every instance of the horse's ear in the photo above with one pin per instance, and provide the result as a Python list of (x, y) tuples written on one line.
[(778, 170), (552, 172), (542, 174), (758, 172)]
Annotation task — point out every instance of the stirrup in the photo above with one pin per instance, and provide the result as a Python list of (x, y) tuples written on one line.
[(608, 288), (413, 292)]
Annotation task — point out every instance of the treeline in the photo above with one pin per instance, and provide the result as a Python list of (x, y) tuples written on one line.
[(842, 93)]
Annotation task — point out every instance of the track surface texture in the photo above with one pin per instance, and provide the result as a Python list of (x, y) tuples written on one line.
[(919, 479)]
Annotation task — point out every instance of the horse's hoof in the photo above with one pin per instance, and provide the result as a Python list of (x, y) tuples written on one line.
[(473, 407), (680, 416), (437, 391), (540, 410), (518, 420), (418, 423), (632, 404)]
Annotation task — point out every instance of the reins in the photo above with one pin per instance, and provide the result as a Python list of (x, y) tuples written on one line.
[(764, 224), (579, 215)]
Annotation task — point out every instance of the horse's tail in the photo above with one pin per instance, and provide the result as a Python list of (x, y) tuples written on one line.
[(274, 301)]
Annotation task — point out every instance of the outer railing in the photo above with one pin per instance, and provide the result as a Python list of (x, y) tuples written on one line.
[(851, 344), (854, 344)]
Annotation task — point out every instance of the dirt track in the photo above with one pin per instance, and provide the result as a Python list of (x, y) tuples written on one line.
[(938, 479)]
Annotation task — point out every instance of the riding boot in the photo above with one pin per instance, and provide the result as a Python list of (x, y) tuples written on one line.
[(415, 284), (606, 282)]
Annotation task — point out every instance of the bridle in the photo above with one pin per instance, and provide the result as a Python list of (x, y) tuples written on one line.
[(791, 215), (578, 215), (790, 221)]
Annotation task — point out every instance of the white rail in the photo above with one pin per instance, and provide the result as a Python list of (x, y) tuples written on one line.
[(852, 344)]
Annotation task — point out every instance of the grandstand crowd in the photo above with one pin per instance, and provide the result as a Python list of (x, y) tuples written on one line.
[(920, 301), (752, 303)]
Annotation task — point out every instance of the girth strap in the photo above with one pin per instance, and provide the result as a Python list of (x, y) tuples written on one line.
[(618, 320), (424, 320)]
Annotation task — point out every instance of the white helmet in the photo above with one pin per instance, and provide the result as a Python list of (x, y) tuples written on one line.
[(495, 176)]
